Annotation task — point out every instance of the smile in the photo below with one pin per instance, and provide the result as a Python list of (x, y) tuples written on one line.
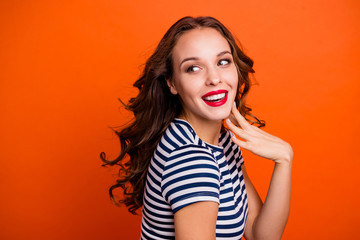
[(215, 98)]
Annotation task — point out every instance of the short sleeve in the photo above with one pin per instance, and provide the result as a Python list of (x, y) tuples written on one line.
[(191, 175)]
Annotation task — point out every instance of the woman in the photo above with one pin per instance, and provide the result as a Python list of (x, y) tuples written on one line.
[(185, 168)]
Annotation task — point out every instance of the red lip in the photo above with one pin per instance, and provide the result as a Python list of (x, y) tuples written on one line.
[(219, 103), (214, 92)]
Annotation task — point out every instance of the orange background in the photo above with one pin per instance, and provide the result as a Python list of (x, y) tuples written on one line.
[(63, 64)]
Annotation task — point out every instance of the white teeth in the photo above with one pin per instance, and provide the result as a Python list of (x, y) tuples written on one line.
[(216, 97)]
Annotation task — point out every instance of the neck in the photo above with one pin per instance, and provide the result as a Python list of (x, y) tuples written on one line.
[(207, 130)]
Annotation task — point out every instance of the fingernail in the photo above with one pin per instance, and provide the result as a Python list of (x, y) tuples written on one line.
[(234, 104), (228, 121)]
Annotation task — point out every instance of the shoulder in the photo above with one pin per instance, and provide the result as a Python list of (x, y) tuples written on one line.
[(178, 133), (188, 156), (180, 144)]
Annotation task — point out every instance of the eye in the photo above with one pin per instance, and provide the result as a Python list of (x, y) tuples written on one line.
[(224, 62), (193, 68)]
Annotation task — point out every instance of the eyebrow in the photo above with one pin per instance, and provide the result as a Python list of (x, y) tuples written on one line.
[(196, 58)]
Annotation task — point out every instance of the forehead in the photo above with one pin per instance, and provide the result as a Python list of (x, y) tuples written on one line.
[(201, 42)]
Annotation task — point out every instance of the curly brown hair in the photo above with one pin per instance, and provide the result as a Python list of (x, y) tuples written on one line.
[(154, 108)]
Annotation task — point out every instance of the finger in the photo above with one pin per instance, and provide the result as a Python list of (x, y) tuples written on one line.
[(239, 118), (265, 134), (237, 131), (257, 129), (241, 144), (233, 120)]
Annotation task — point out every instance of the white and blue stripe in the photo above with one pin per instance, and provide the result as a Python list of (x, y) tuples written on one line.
[(185, 170)]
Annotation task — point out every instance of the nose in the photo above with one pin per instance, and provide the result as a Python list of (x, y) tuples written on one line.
[(213, 76)]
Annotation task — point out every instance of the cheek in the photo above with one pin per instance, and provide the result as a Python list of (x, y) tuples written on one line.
[(232, 78), (233, 83), (190, 86), (185, 89)]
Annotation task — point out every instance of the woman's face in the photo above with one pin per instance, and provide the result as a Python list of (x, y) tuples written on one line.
[(205, 76)]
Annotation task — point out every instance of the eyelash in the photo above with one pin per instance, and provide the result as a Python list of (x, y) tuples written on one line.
[(226, 59), (190, 69)]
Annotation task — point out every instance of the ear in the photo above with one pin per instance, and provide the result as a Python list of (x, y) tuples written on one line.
[(171, 86)]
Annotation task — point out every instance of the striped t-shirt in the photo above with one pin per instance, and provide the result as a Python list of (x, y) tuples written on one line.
[(185, 170)]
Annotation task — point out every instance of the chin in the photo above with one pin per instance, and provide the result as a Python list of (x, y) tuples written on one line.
[(220, 115)]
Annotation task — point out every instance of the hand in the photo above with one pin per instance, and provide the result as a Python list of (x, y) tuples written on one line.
[(257, 141)]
